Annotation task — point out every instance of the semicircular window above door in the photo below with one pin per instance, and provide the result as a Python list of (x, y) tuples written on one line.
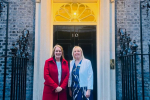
[(74, 12)]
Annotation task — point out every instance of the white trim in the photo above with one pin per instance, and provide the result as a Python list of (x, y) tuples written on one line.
[(112, 52), (42, 45), (104, 50), (36, 51)]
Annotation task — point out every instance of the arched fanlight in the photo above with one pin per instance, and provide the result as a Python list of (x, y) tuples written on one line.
[(74, 12)]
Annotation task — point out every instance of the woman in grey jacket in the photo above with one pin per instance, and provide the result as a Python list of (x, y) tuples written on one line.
[(81, 76)]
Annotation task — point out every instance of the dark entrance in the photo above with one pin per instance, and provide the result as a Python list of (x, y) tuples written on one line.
[(84, 36)]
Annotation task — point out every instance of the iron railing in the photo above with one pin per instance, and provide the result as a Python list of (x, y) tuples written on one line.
[(4, 4), (18, 65), (135, 68), (13, 68), (17, 89), (133, 80)]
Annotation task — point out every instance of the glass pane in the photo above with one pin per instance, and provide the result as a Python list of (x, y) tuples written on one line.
[(74, 6), (60, 18), (68, 9), (81, 9), (75, 20), (89, 18), (64, 13)]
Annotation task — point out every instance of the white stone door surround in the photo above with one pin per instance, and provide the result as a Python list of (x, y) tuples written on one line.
[(106, 80)]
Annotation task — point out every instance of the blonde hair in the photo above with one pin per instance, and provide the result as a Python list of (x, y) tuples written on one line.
[(61, 51), (79, 49)]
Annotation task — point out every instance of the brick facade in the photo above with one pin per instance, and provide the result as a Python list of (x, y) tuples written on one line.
[(21, 16), (128, 17)]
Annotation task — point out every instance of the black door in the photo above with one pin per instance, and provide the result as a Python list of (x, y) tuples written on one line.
[(84, 36)]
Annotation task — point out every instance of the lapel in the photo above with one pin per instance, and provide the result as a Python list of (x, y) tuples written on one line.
[(72, 63), (51, 60), (82, 64), (54, 65), (63, 62)]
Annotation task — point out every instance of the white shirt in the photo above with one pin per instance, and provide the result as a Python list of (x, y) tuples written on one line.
[(85, 74), (59, 70)]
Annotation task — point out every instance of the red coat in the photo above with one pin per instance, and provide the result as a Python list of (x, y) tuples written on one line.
[(51, 80)]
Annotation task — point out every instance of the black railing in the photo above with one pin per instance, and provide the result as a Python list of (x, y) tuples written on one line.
[(133, 80), (18, 68), (5, 5), (135, 68), (13, 69)]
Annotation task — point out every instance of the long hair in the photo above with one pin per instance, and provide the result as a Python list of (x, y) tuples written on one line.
[(82, 56), (61, 51)]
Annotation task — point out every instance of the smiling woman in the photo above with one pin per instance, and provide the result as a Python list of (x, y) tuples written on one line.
[(81, 76), (56, 74), (58, 54)]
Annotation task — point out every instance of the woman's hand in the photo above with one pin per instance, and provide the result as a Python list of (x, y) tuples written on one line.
[(87, 93), (70, 92), (58, 89)]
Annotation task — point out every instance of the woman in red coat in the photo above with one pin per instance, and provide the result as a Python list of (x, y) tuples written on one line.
[(56, 75)]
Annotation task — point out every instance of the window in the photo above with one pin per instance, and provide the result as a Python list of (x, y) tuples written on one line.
[(74, 12)]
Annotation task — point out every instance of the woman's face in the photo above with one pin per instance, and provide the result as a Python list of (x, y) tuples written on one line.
[(58, 53), (77, 53)]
